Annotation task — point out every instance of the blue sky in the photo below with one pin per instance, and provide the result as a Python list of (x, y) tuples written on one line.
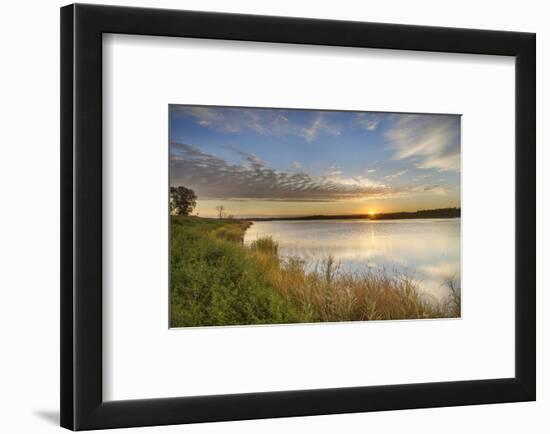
[(267, 162)]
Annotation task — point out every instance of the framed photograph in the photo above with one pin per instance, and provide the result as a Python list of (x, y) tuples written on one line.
[(268, 217)]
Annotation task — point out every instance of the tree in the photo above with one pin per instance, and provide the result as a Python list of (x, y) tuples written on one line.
[(220, 209), (182, 200)]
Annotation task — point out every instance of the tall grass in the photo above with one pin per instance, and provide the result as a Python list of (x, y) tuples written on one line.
[(213, 280), (326, 293), (216, 280), (265, 245)]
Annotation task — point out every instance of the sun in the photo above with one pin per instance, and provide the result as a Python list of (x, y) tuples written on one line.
[(371, 212)]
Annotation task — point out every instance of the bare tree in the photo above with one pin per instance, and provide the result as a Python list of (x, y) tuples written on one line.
[(220, 209)]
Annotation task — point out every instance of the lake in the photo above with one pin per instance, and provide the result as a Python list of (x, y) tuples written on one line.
[(426, 249)]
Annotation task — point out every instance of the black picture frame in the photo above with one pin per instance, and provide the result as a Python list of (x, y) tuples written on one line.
[(82, 405)]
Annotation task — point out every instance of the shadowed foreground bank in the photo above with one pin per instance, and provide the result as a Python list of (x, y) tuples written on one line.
[(216, 280)]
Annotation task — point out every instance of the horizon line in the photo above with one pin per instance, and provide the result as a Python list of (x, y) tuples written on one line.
[(372, 216)]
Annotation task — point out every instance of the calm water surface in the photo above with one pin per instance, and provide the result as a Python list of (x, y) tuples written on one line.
[(426, 249)]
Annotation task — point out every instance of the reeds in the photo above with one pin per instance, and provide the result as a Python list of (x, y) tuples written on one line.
[(265, 245), (324, 292)]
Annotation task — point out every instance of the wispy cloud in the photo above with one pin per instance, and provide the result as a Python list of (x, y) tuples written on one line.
[(214, 178), (333, 171), (395, 175), (261, 121), (224, 119), (319, 125), (431, 141), (368, 121)]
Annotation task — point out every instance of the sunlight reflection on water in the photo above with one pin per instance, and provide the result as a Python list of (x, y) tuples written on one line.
[(426, 249)]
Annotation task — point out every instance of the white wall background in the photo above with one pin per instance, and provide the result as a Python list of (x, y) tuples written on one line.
[(29, 228)]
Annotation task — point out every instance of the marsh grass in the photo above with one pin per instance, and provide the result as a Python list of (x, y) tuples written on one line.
[(265, 245), (216, 280), (327, 293)]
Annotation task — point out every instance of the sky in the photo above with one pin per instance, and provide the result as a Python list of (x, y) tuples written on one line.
[(260, 162)]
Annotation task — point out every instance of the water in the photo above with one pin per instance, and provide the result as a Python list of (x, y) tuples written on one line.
[(426, 249)]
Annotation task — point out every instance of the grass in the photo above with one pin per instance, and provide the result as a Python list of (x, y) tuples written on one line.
[(216, 280)]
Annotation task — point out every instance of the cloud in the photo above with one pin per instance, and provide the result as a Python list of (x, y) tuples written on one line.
[(229, 120), (318, 126), (333, 171), (395, 175), (273, 122), (431, 141), (368, 121), (213, 178), (296, 165)]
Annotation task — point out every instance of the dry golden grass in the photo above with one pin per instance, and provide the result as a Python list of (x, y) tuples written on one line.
[(326, 293)]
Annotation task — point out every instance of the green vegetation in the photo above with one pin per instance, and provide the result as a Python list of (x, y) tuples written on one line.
[(216, 280), (182, 200)]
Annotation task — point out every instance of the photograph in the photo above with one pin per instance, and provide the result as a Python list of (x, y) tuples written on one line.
[(281, 216)]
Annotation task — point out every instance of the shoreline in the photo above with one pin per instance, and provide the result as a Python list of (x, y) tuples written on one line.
[(301, 219), (441, 213)]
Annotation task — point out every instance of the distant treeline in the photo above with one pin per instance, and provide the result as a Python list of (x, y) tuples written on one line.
[(421, 214)]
